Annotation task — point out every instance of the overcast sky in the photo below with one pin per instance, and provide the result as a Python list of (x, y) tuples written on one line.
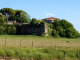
[(39, 9)]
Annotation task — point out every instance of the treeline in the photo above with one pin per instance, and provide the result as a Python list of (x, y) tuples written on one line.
[(8, 14), (62, 28)]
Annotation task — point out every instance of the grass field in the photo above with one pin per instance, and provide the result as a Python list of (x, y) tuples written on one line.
[(43, 47), (39, 42)]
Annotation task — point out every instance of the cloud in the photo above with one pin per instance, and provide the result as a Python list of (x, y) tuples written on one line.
[(67, 10), (49, 14), (75, 12), (26, 8)]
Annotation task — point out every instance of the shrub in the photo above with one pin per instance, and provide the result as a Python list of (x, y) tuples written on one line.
[(11, 30), (2, 29), (50, 25), (2, 18), (44, 34), (54, 33), (49, 32)]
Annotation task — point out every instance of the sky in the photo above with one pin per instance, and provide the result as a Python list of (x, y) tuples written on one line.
[(40, 9)]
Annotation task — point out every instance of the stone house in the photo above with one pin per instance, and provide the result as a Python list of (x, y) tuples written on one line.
[(50, 19)]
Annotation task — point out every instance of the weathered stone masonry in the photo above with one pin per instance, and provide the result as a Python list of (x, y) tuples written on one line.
[(25, 29)]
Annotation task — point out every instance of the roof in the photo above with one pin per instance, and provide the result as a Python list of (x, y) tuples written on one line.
[(51, 18)]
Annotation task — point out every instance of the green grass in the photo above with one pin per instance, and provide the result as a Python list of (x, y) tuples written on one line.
[(14, 40), (67, 49), (37, 53)]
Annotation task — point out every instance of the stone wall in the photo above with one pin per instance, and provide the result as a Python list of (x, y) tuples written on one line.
[(26, 29)]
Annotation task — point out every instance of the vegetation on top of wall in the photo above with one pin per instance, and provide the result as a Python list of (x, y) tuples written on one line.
[(36, 23)]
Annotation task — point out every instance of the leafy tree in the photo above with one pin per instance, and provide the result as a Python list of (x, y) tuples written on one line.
[(23, 18), (56, 23), (54, 33), (33, 21), (51, 25), (49, 32), (7, 12), (65, 24), (2, 18), (29, 18), (41, 23), (17, 12), (11, 30), (72, 33), (12, 18), (2, 29), (62, 33), (59, 28), (36, 22)]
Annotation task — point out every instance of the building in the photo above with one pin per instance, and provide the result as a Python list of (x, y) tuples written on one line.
[(50, 19)]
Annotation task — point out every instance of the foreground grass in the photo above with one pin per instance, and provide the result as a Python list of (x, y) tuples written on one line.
[(65, 49), (39, 54)]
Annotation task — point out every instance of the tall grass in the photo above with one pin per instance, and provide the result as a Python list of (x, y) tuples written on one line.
[(36, 53), (14, 40), (67, 49)]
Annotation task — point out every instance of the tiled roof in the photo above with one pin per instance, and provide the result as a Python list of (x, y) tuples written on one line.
[(51, 18)]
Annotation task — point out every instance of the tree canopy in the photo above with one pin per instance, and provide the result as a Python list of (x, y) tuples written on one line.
[(2, 18), (64, 29), (7, 11), (17, 12), (65, 24), (19, 15), (22, 18)]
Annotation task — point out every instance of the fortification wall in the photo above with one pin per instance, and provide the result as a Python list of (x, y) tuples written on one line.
[(26, 29)]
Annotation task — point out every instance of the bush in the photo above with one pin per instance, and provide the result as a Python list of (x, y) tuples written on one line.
[(54, 33), (11, 30), (50, 25), (42, 23), (49, 32), (2, 18), (72, 33), (44, 34), (33, 21), (2, 29)]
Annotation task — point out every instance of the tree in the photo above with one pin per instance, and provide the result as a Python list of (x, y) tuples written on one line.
[(59, 28), (29, 17), (51, 25), (62, 33), (33, 21), (12, 18), (11, 30), (22, 18), (56, 23), (17, 12), (54, 33), (42, 23), (2, 18), (65, 24), (7, 12), (2, 29), (72, 33)]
